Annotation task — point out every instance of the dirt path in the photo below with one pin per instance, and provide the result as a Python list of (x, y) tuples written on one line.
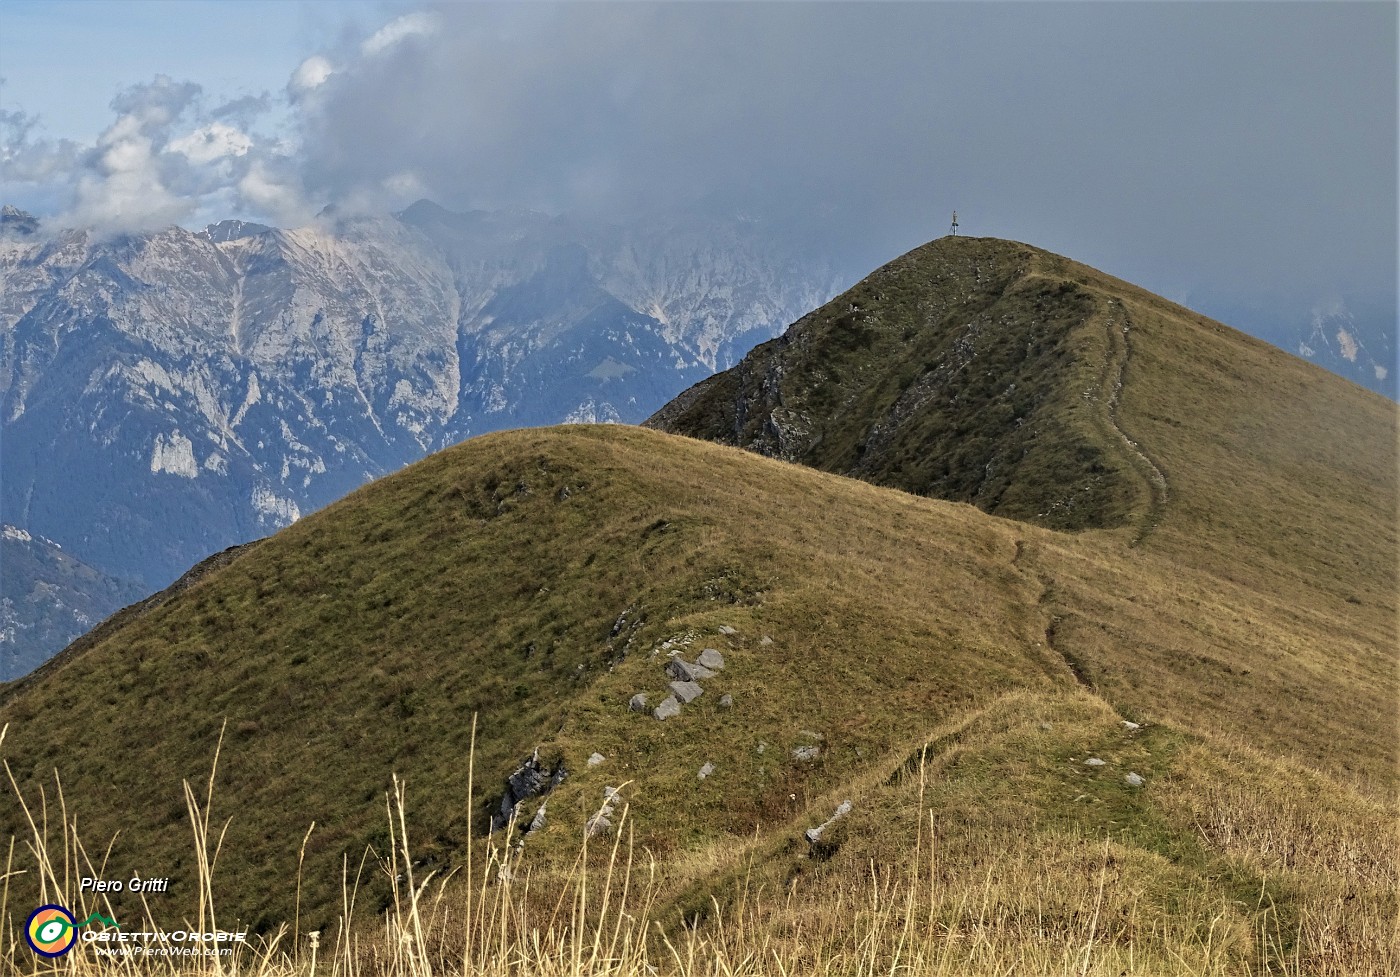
[(1060, 660), (1120, 351)]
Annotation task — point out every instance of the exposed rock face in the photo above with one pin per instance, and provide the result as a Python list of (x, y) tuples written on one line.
[(1362, 350)]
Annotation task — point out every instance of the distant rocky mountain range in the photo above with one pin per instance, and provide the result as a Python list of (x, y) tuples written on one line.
[(49, 599), (1359, 349), (165, 395)]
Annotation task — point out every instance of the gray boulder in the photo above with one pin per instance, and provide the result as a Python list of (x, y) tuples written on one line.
[(638, 702), (530, 779), (726, 630), (711, 659), (687, 692), (765, 641), (1134, 780), (670, 706), (685, 672), (706, 770), (596, 759), (806, 753), (726, 700), (1093, 761)]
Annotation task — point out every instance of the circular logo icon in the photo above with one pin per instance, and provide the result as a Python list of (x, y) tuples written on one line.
[(51, 931)]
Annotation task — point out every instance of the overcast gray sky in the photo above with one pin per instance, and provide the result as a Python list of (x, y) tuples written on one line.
[(1229, 155)]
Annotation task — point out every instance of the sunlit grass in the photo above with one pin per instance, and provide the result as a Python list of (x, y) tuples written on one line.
[(972, 899)]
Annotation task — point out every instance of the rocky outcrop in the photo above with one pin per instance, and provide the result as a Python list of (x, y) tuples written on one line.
[(602, 820), (530, 779)]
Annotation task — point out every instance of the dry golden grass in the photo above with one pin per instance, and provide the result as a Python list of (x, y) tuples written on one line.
[(1262, 870)]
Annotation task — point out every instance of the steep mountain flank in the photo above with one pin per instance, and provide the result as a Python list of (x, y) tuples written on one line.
[(49, 599), (1037, 388), (959, 371)]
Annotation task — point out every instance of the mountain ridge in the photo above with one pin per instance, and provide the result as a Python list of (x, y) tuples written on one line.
[(1286, 411), (361, 640), (1047, 697)]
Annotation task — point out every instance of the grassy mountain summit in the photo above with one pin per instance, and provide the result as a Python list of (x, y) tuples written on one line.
[(1034, 387), (1228, 664), (956, 371)]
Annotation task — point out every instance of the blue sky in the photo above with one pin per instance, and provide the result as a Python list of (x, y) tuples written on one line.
[(64, 60)]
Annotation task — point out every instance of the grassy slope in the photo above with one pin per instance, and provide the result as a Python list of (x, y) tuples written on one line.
[(1281, 497), (1266, 485), (528, 577), (954, 371), (362, 640)]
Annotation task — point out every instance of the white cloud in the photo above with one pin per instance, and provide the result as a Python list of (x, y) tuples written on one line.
[(409, 25), (211, 142), (166, 158), (405, 185), (264, 191), (122, 189), (311, 74)]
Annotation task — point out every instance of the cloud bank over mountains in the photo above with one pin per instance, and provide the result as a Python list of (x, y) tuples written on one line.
[(1225, 150), (168, 158)]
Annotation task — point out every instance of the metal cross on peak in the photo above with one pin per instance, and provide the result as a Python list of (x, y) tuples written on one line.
[(955, 224)]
